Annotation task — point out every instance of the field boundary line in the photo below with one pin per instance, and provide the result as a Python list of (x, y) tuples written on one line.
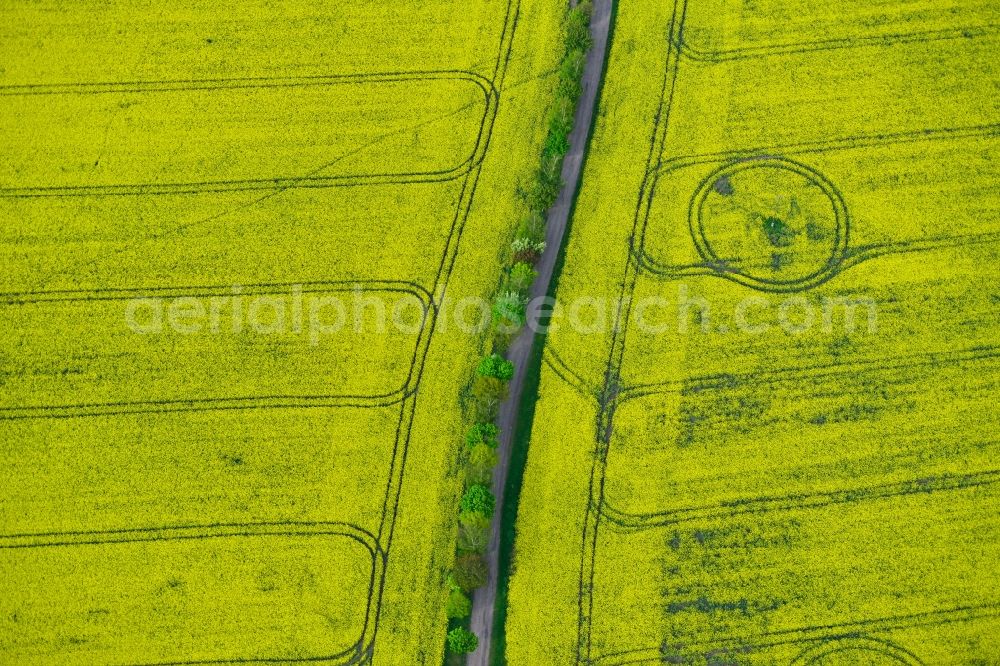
[(354, 654), (625, 522), (792, 373), (693, 52), (669, 165), (317, 286), (813, 633), (486, 87), (212, 403)]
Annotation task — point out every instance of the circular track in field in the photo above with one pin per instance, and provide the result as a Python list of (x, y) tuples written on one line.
[(856, 652), (770, 224)]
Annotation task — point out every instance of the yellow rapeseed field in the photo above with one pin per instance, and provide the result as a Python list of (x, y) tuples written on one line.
[(769, 438), (228, 397)]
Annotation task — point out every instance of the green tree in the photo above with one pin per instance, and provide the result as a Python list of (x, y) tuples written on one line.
[(473, 532), (482, 433), (557, 140), (501, 337), (570, 75), (487, 394), (497, 366), (482, 459), (470, 571), (462, 641), (478, 499), (578, 27), (548, 181)]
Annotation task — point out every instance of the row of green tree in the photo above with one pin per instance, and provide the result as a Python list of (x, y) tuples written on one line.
[(493, 374)]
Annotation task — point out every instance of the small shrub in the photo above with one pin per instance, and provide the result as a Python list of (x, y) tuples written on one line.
[(532, 227), (522, 274), (459, 605), (778, 232), (470, 571), (509, 311), (462, 641), (527, 251)]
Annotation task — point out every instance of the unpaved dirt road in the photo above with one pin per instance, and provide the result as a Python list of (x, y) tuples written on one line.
[(484, 599)]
